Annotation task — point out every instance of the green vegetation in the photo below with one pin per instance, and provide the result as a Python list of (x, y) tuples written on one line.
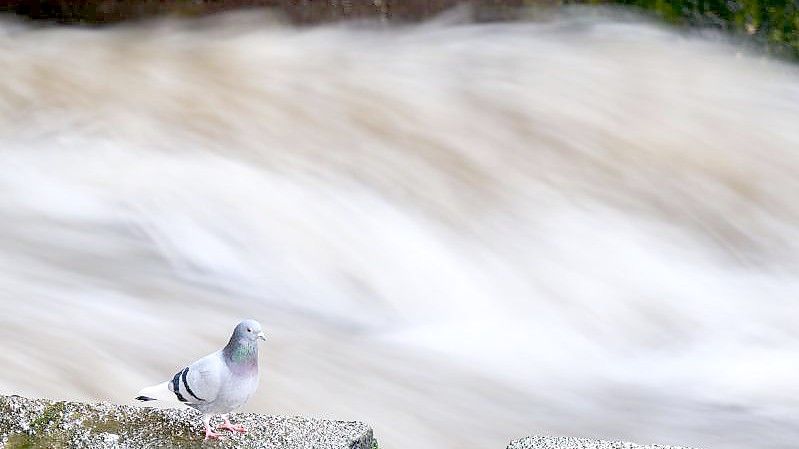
[(25, 441), (52, 414), (105, 425), (21, 441), (44, 432), (772, 23)]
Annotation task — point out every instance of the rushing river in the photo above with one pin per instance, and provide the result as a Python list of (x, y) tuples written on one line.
[(459, 233)]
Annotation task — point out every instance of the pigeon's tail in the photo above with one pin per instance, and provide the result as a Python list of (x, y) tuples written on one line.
[(160, 392)]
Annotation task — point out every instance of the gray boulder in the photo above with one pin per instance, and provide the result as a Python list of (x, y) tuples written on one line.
[(40, 423), (543, 442)]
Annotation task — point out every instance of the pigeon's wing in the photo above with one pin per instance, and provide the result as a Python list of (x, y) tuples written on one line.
[(199, 382)]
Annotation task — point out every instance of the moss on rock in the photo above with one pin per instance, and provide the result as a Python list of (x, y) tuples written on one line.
[(42, 424)]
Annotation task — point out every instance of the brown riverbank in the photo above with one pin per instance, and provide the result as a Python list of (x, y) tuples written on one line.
[(298, 11)]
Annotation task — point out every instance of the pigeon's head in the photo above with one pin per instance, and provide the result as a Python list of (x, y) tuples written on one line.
[(249, 330)]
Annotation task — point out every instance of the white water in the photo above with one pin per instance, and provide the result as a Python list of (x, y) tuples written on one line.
[(458, 233)]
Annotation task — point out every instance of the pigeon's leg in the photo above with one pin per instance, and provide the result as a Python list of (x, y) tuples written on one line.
[(232, 427), (209, 433)]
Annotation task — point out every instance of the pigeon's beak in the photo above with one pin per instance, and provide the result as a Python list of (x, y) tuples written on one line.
[(262, 336)]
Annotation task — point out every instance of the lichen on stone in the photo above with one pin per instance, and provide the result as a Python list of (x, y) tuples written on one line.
[(42, 424)]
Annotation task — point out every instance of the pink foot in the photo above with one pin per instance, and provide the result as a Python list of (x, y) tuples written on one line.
[(211, 435), (232, 427)]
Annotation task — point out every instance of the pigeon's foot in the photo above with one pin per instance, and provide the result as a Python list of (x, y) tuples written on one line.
[(232, 427), (211, 435)]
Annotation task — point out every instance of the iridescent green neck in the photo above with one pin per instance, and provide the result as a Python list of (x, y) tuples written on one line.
[(241, 352)]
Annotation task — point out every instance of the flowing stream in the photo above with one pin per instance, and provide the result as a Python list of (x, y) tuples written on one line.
[(460, 233)]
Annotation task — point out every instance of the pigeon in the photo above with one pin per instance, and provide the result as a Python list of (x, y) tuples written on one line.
[(217, 383)]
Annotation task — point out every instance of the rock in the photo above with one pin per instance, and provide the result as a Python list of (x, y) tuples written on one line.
[(541, 442), (298, 11), (40, 423)]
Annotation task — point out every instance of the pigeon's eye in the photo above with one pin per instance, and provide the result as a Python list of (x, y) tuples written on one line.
[(249, 330)]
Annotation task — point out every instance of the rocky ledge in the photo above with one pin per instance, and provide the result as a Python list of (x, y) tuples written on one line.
[(542, 442), (39, 423), (44, 424)]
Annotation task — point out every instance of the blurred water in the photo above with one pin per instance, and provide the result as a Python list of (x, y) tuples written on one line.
[(459, 233)]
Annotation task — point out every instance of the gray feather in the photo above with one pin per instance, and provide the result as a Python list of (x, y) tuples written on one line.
[(223, 381)]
